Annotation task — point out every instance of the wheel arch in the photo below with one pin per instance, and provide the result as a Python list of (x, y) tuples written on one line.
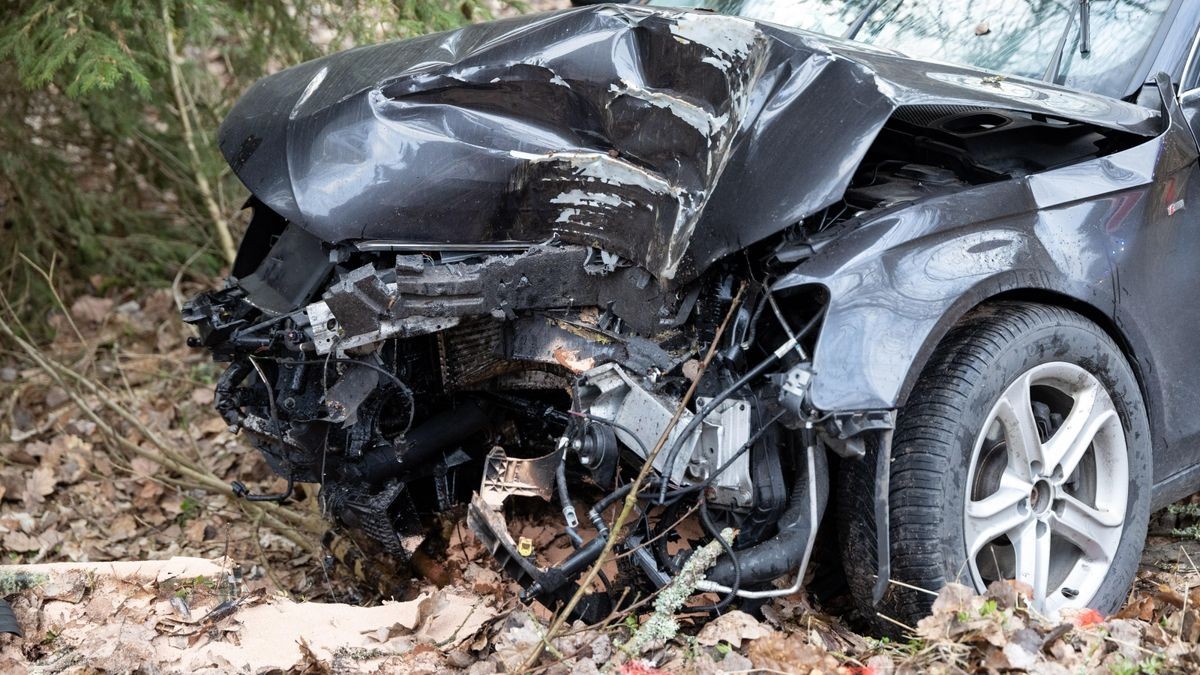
[(1033, 295), (1041, 295)]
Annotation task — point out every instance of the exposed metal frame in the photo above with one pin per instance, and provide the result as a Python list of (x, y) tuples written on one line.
[(420, 247)]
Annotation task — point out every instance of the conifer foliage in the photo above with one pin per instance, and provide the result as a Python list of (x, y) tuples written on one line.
[(108, 113)]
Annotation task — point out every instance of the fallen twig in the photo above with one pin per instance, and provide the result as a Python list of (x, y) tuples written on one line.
[(631, 499), (189, 137), (662, 624), (288, 523)]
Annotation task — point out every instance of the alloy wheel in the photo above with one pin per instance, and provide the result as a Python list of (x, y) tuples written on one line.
[(1048, 487)]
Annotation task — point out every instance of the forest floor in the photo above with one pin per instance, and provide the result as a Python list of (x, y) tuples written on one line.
[(110, 451)]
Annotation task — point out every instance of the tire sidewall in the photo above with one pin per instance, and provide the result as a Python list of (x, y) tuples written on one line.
[(1089, 348)]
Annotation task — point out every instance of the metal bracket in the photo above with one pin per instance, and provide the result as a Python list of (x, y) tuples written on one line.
[(505, 477)]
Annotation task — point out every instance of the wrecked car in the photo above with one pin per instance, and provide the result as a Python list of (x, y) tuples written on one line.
[(905, 283)]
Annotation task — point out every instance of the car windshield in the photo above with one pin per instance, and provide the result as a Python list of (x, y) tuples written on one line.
[(1029, 38)]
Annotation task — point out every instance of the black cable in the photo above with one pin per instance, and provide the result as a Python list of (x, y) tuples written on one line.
[(699, 417), (787, 327), (239, 489), (711, 529), (659, 536), (596, 513), (259, 326), (564, 498), (752, 332), (337, 339)]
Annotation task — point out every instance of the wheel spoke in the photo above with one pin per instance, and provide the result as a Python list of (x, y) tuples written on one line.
[(1073, 438), (1032, 549), (1015, 413), (1096, 532), (1002, 512), (1059, 502)]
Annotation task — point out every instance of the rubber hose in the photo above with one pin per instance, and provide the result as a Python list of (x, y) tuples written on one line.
[(564, 499), (784, 552), (421, 444)]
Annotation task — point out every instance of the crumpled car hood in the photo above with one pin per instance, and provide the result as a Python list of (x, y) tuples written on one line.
[(670, 137)]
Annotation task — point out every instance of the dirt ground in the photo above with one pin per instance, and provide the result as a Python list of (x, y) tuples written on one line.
[(110, 451)]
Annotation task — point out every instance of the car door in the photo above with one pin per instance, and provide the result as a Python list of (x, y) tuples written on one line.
[(1157, 273)]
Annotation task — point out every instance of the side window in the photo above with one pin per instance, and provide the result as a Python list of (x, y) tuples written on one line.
[(1191, 72)]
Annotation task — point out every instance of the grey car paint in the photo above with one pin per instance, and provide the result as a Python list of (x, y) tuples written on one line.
[(1099, 233), (673, 138)]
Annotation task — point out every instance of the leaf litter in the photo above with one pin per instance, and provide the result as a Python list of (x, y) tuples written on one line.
[(204, 583)]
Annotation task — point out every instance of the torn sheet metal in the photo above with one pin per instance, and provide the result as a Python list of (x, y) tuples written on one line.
[(367, 305), (672, 138)]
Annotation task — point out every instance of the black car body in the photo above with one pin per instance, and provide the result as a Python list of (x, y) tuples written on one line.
[(499, 254)]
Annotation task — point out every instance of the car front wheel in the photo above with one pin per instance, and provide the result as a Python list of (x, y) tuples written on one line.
[(1023, 453)]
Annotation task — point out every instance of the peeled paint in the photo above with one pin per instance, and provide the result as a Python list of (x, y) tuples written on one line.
[(696, 134)]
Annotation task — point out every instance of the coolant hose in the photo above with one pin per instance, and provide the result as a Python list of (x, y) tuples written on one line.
[(441, 431), (785, 551), (564, 499)]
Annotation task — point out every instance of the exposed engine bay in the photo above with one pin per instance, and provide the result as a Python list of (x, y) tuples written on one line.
[(414, 383), (609, 308)]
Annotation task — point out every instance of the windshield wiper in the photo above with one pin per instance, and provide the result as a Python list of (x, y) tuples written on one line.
[(861, 20), (1085, 39), (1085, 27)]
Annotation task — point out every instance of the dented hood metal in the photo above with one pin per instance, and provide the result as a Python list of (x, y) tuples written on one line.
[(673, 138)]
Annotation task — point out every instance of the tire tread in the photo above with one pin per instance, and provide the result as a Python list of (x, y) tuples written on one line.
[(924, 446)]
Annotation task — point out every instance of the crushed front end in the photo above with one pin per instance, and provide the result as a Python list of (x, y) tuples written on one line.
[(409, 380)]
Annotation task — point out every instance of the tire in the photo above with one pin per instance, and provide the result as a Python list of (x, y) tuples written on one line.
[(941, 450)]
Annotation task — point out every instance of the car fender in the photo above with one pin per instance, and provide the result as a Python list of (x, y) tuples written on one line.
[(899, 281)]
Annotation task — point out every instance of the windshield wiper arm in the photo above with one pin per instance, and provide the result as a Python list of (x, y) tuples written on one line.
[(1085, 27), (1056, 61), (861, 20)]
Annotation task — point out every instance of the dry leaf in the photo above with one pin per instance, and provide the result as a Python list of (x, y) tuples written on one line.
[(448, 618), (40, 483), (20, 542), (123, 527), (194, 531), (732, 627), (790, 654), (91, 309)]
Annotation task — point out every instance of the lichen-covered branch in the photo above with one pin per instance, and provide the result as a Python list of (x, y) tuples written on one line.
[(662, 625)]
